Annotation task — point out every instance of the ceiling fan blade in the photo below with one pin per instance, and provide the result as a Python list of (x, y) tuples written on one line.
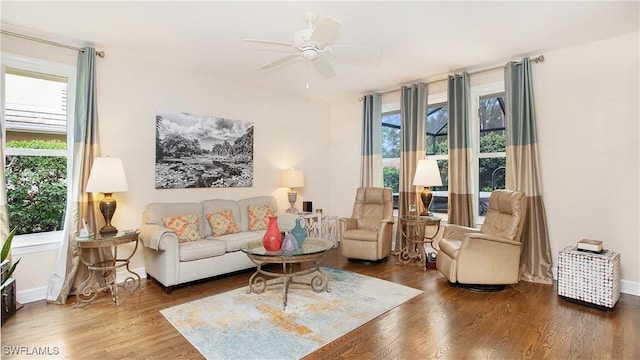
[(327, 31), (279, 61), (356, 52), (323, 66), (269, 42)]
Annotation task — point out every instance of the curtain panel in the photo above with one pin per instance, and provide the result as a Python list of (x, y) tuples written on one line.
[(69, 272), (523, 171), (413, 115), (460, 178), (371, 164)]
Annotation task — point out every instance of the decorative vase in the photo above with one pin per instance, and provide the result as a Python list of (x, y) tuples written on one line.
[(272, 240), (289, 244), (299, 232)]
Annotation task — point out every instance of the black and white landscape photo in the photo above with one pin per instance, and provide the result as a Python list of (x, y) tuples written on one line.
[(194, 151)]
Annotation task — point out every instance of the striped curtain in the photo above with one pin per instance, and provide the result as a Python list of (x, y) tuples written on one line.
[(413, 114), (523, 171), (69, 271), (371, 165), (460, 177)]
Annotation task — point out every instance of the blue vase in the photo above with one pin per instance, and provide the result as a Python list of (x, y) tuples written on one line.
[(299, 232)]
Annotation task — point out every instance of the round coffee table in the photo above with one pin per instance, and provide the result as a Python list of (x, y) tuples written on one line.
[(312, 252)]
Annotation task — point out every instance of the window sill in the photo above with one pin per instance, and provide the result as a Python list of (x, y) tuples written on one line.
[(34, 243)]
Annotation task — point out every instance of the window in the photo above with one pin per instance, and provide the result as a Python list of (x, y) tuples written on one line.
[(491, 152), (391, 153), (488, 145), (437, 147), (36, 117)]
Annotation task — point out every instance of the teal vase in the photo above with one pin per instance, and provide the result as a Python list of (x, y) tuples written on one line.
[(299, 232)]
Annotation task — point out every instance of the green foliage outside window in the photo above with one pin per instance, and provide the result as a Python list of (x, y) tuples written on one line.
[(36, 187), (492, 142), (391, 178)]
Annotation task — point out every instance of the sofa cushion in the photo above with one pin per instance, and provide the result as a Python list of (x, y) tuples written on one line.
[(185, 226), (201, 249), (217, 205), (243, 205), (155, 212), (222, 223), (259, 217), (233, 242)]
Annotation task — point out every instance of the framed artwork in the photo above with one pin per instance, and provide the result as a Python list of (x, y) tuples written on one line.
[(196, 151)]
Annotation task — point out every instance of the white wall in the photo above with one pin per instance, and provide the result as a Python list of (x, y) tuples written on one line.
[(587, 111)]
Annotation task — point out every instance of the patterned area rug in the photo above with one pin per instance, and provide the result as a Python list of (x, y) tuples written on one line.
[(237, 325)]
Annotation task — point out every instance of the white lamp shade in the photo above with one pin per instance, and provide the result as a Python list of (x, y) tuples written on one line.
[(292, 178), (107, 176), (427, 174)]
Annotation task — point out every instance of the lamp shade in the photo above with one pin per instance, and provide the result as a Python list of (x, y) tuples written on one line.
[(427, 174), (107, 176), (292, 178)]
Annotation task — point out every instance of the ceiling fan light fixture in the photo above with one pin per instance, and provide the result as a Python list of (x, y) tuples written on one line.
[(310, 53)]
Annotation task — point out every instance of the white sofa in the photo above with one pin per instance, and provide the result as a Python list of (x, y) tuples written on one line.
[(172, 263)]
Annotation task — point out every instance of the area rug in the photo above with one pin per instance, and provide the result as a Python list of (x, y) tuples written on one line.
[(237, 325)]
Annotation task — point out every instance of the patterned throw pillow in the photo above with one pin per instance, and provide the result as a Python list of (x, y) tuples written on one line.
[(259, 217), (186, 227), (222, 223)]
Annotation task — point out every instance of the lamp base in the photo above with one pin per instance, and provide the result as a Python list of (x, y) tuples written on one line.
[(426, 197), (108, 230), (108, 208), (293, 196)]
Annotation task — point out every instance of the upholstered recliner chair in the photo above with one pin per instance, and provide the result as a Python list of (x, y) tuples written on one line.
[(488, 256), (367, 234)]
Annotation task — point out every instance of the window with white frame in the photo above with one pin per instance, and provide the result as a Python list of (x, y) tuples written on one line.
[(37, 110), (488, 145), (437, 147), (490, 149), (391, 152)]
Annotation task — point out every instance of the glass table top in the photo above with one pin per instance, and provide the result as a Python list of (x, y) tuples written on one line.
[(309, 246)]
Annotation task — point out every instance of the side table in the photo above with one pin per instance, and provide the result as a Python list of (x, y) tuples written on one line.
[(107, 264), (330, 229), (414, 232), (589, 278)]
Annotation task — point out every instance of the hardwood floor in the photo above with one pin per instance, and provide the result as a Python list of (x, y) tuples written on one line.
[(445, 322)]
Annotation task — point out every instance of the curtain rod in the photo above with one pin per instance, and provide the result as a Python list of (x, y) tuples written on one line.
[(535, 60), (27, 37)]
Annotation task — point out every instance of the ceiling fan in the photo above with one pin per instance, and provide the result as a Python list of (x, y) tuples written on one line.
[(316, 45)]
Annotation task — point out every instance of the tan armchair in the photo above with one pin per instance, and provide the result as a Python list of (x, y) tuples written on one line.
[(489, 255), (367, 234)]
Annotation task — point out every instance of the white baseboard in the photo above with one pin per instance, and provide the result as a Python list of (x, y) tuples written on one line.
[(630, 287), (31, 295), (40, 293)]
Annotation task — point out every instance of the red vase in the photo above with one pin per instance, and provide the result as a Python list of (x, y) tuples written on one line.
[(272, 240)]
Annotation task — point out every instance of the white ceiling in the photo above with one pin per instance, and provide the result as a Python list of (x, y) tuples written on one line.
[(419, 40)]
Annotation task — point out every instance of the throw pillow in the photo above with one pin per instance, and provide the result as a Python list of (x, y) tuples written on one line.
[(222, 223), (259, 217), (186, 227)]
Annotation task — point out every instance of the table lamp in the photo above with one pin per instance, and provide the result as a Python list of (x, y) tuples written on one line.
[(107, 176), (427, 174), (292, 179)]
